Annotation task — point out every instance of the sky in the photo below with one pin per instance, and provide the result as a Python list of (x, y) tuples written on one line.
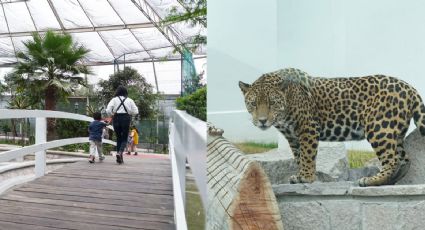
[(327, 38)]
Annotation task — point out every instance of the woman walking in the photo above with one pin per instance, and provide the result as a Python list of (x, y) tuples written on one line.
[(122, 108)]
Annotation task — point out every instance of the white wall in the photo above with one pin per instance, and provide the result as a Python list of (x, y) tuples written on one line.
[(242, 44), (338, 38), (334, 38)]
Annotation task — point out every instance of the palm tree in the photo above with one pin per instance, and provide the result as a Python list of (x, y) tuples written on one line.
[(52, 64)]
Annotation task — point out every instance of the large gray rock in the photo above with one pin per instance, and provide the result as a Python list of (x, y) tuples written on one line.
[(331, 164), (415, 148), (367, 171)]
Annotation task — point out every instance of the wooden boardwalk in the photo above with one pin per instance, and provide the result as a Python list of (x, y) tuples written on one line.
[(135, 195)]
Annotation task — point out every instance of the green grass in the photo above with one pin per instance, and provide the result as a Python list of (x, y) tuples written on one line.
[(255, 147), (357, 159), (194, 210)]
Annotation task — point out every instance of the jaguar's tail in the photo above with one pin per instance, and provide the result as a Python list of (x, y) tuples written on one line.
[(419, 116)]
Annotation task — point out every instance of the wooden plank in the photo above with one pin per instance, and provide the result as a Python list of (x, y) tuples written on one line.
[(125, 187), (106, 182), (156, 211), (135, 179), (50, 222), (18, 226), (135, 195), (140, 203), (122, 176), (86, 217), (105, 213), (95, 192)]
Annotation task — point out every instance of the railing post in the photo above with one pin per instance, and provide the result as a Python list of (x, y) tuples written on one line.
[(181, 164), (40, 137)]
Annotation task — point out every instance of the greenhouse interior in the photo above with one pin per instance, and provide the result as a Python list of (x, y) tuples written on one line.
[(126, 41)]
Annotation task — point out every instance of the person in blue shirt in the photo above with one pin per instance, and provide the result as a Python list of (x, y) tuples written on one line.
[(95, 137)]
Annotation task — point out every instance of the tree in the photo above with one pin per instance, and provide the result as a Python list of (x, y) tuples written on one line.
[(138, 89), (51, 67), (195, 13), (194, 104), (24, 94)]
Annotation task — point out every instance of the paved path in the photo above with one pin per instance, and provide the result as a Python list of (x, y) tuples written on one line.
[(135, 195)]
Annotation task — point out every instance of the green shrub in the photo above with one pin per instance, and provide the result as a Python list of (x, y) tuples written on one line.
[(107, 148), (195, 104), (5, 127), (67, 128), (75, 147)]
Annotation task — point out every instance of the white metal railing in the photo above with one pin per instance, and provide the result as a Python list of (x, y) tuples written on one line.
[(41, 144), (187, 140)]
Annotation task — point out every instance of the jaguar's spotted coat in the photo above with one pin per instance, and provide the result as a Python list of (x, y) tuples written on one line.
[(306, 109)]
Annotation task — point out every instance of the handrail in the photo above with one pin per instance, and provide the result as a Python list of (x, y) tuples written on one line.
[(187, 140), (20, 152), (41, 144), (25, 113)]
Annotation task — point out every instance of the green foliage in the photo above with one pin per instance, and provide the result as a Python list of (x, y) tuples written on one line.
[(24, 94), (5, 127), (195, 13), (49, 67), (138, 89), (76, 147), (3, 89), (67, 128), (107, 148), (195, 104), (194, 209), (358, 159)]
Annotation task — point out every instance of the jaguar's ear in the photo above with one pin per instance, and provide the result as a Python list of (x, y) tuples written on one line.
[(244, 87)]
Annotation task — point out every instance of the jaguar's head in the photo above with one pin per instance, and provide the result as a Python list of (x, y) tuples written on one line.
[(264, 101)]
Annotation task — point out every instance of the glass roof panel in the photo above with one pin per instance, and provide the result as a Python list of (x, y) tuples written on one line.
[(165, 52), (99, 52), (121, 41), (42, 14), (3, 24), (71, 14), (100, 12), (187, 31), (6, 49), (163, 7), (19, 42), (151, 38), (18, 17), (122, 26), (128, 12)]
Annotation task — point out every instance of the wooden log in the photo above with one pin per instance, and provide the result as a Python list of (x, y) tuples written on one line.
[(240, 195)]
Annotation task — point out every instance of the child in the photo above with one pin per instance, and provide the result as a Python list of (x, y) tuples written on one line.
[(129, 143), (134, 133), (95, 137)]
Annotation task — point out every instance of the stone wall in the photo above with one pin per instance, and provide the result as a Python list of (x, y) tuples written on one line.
[(336, 202), (342, 205)]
